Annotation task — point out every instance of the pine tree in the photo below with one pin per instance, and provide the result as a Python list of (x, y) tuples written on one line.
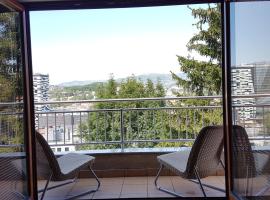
[(203, 77)]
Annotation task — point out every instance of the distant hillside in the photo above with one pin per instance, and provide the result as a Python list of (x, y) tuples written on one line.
[(78, 83), (165, 79)]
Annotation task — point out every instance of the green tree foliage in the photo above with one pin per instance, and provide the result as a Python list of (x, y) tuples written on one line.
[(10, 57), (10, 80), (203, 77), (137, 123)]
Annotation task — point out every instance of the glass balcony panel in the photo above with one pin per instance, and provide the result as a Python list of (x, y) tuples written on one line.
[(13, 183), (250, 76)]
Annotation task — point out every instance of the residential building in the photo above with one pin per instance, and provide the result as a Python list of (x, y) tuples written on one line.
[(243, 84), (41, 90)]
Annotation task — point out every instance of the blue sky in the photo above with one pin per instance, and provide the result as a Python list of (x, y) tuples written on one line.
[(91, 44), (250, 32)]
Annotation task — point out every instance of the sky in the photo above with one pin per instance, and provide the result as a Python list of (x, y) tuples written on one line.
[(250, 32), (92, 44)]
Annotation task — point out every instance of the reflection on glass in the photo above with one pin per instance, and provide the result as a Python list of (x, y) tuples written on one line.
[(12, 156), (250, 78)]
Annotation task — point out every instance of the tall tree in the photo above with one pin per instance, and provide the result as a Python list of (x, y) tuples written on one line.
[(10, 78), (10, 57), (203, 77)]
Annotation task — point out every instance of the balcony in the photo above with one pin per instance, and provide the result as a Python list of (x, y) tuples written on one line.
[(172, 127), (126, 141)]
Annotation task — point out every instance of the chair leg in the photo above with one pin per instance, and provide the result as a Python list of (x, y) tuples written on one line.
[(90, 191), (200, 183), (208, 186), (157, 176), (46, 187), (164, 189), (222, 164), (59, 185)]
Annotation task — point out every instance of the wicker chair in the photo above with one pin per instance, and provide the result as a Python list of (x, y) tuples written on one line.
[(251, 167), (60, 169), (202, 161)]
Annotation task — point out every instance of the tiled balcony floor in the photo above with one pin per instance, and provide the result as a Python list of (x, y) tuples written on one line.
[(134, 187)]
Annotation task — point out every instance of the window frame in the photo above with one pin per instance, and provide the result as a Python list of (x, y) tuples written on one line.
[(226, 54)]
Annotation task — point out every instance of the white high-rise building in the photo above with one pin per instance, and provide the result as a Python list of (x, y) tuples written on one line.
[(243, 84), (41, 90)]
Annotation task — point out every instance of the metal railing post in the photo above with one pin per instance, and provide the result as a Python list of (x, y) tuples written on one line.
[(122, 129)]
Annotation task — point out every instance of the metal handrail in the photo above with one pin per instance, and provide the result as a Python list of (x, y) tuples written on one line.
[(150, 99), (124, 122), (135, 99), (129, 109)]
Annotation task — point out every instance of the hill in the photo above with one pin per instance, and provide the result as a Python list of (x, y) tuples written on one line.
[(165, 79)]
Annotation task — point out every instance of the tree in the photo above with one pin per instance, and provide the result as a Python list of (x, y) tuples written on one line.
[(10, 57), (150, 88), (10, 78), (107, 90), (160, 91), (203, 77), (137, 122)]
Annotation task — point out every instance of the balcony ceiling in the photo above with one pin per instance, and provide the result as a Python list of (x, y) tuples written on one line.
[(34, 1), (70, 4)]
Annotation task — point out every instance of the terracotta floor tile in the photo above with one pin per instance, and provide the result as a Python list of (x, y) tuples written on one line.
[(214, 193), (110, 189), (80, 189), (86, 181), (215, 181), (59, 192), (112, 181), (41, 183), (185, 187), (53, 198), (134, 195), (178, 180), (135, 180), (154, 192), (163, 181), (88, 196), (134, 189), (188, 188), (105, 196)]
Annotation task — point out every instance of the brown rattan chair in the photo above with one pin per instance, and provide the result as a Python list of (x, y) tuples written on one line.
[(251, 167), (63, 168), (202, 161)]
